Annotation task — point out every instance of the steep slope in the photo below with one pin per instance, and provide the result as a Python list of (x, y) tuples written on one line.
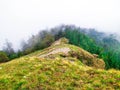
[(63, 50), (59, 67)]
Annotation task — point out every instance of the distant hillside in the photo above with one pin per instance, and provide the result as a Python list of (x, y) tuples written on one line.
[(59, 67)]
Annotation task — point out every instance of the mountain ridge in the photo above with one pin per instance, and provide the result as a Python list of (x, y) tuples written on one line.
[(61, 46), (58, 70)]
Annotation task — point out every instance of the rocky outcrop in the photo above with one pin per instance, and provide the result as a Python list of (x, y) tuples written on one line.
[(61, 48)]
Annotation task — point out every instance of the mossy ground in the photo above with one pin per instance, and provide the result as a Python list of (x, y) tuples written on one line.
[(60, 73)]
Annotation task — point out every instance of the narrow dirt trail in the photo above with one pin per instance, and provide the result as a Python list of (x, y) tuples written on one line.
[(58, 50)]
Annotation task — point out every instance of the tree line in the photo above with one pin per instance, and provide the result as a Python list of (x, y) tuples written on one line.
[(106, 46)]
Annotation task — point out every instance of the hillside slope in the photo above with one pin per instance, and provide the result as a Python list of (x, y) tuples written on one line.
[(58, 67)]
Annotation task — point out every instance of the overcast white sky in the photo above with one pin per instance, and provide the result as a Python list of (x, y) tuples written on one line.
[(21, 18)]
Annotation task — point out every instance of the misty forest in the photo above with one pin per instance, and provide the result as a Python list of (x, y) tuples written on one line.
[(106, 46)]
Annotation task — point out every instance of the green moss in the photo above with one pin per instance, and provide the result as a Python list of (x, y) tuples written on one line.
[(61, 73)]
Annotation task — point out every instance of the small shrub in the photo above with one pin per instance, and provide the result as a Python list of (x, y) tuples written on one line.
[(3, 57)]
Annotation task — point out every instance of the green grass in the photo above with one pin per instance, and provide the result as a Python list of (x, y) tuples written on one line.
[(61, 73)]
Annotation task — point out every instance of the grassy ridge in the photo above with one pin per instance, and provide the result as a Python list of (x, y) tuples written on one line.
[(57, 73)]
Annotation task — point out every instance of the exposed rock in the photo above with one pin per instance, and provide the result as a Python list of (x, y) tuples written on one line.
[(61, 49), (95, 55), (61, 41), (64, 50), (88, 59)]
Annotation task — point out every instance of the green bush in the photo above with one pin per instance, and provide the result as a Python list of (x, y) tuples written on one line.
[(3, 57)]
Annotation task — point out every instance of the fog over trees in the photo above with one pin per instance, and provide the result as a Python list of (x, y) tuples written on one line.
[(21, 19), (105, 46)]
